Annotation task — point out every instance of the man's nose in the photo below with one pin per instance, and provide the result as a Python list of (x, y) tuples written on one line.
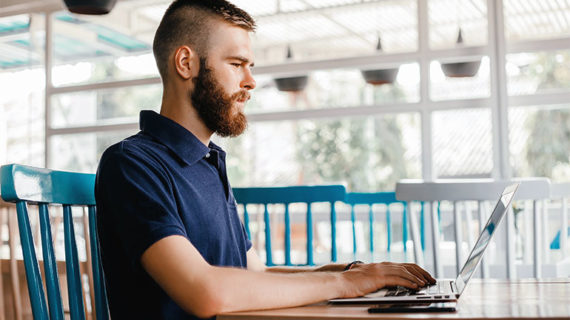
[(248, 81)]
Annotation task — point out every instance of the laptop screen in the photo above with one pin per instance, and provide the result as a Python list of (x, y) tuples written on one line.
[(485, 237)]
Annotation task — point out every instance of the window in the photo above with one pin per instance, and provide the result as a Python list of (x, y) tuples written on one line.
[(366, 153), (22, 106)]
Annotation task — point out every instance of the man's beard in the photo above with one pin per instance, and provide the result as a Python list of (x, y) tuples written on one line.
[(215, 107)]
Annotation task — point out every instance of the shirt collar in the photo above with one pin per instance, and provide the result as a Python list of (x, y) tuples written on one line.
[(178, 139)]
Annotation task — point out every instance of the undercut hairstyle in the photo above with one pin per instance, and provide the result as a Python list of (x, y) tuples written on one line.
[(188, 22)]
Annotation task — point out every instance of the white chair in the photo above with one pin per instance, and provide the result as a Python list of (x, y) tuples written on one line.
[(480, 190)]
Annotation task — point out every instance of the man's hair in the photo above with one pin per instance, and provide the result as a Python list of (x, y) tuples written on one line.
[(187, 22)]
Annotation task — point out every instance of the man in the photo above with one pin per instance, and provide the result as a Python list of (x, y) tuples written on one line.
[(172, 244)]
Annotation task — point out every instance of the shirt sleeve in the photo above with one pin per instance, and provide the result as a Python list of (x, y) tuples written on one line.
[(135, 201)]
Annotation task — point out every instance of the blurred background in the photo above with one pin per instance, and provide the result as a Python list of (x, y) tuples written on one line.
[(74, 84)]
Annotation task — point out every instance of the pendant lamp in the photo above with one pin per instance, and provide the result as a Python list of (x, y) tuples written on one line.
[(291, 84), (93, 7), (380, 76), (461, 69)]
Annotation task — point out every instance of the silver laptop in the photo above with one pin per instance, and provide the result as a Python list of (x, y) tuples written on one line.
[(445, 290)]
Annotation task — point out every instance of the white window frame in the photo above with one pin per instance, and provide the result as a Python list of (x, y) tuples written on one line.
[(498, 101)]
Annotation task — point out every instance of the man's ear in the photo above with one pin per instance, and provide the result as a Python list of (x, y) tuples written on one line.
[(185, 62)]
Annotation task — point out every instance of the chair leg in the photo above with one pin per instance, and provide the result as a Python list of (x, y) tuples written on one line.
[(2, 306), (14, 272), (418, 255), (89, 265), (435, 216)]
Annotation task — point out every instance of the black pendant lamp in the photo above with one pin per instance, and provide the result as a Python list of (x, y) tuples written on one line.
[(380, 76), (461, 69), (93, 7), (291, 84)]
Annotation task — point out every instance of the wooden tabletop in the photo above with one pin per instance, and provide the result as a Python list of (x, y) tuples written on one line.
[(482, 299)]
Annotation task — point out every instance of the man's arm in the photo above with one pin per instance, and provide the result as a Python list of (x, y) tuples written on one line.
[(255, 264), (205, 290)]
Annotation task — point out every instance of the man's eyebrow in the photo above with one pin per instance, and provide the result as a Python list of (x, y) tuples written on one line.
[(242, 59)]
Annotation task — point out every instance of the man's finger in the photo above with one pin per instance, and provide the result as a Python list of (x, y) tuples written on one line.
[(419, 275), (398, 281), (403, 272), (425, 275)]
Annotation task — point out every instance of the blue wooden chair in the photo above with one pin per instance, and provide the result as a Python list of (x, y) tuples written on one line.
[(286, 196), (370, 199), (23, 185)]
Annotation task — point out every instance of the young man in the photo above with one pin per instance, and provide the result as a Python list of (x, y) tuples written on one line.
[(172, 244)]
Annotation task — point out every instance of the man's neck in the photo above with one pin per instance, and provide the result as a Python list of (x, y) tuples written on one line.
[(186, 115)]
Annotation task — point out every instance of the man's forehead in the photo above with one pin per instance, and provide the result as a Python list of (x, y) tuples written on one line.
[(228, 39)]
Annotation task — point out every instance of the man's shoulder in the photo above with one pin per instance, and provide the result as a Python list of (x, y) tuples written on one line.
[(139, 150), (138, 146)]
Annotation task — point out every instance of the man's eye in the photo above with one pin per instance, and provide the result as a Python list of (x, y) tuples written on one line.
[(237, 65)]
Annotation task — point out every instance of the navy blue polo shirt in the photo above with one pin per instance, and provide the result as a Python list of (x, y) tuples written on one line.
[(160, 182)]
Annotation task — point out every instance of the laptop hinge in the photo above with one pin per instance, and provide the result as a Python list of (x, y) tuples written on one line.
[(453, 287)]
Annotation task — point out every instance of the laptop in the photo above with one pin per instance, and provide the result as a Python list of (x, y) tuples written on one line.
[(445, 290)]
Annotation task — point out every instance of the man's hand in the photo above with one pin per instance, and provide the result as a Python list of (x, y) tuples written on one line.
[(365, 278)]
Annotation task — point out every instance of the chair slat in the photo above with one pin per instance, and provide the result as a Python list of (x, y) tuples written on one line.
[(333, 233), (388, 229), (310, 260), (101, 308), (50, 265), (353, 221), (405, 227), (76, 307), (269, 260), (422, 224), (371, 230), (35, 287), (287, 236)]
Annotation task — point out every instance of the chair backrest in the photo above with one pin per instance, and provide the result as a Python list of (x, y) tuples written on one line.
[(480, 190), (286, 196), (561, 191), (370, 199), (23, 185)]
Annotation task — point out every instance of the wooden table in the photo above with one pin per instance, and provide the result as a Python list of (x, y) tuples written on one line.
[(482, 299)]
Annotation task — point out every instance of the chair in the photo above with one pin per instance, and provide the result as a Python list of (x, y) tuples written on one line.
[(480, 190), (385, 198), (286, 196), (28, 185)]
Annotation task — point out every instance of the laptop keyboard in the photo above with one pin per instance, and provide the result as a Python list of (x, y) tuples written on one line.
[(441, 287)]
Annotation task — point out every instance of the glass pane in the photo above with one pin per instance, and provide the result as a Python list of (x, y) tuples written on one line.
[(446, 17), (22, 77), (103, 106), (81, 152), (538, 72), (366, 154), (334, 30), (539, 140), (336, 88), (116, 46), (462, 143), (449, 88), (530, 20)]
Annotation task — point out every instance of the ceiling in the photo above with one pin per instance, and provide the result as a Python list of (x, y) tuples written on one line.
[(314, 29)]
